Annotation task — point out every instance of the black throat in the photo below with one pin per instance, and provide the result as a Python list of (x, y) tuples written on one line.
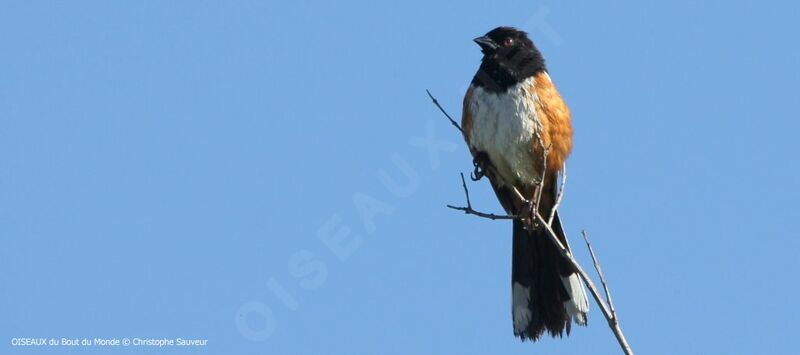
[(507, 67)]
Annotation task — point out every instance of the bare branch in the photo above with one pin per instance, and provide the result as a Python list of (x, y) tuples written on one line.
[(610, 315), (469, 210), (452, 121)]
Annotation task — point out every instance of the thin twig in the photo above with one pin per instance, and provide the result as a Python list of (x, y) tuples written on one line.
[(469, 210), (610, 316), (540, 184), (560, 194), (600, 273), (436, 102)]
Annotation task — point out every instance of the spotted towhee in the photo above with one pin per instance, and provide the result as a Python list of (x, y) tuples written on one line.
[(512, 115)]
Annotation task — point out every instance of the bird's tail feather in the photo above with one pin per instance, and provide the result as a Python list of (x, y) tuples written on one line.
[(546, 292)]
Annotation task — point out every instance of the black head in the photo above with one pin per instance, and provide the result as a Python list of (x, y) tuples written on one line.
[(509, 57)]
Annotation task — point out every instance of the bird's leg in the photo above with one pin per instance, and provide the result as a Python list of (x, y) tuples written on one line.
[(526, 215), (538, 197), (529, 208), (539, 186)]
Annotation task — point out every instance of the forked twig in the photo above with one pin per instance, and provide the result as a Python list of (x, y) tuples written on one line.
[(469, 210), (608, 312), (600, 273)]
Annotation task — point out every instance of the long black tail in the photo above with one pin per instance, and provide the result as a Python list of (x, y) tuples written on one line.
[(547, 294)]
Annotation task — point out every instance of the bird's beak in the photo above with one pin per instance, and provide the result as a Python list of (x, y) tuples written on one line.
[(486, 43)]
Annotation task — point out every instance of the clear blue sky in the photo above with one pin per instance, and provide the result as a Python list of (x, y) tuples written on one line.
[(173, 169)]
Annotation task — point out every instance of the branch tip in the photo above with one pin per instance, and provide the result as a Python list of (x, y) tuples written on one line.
[(452, 121)]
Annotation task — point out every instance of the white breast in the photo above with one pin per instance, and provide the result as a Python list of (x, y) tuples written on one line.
[(504, 126)]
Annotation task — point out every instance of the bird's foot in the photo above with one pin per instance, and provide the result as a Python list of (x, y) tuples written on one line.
[(528, 215), (478, 163)]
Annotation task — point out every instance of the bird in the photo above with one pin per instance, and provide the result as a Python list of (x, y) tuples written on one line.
[(512, 117)]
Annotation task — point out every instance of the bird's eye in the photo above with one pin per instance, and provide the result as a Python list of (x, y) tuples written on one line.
[(508, 42)]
